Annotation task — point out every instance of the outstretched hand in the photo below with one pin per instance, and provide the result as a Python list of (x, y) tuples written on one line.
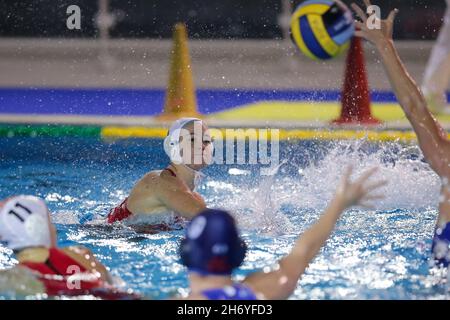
[(360, 191), (374, 35)]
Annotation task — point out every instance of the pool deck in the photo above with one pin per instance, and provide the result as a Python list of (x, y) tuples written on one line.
[(51, 83), (294, 120)]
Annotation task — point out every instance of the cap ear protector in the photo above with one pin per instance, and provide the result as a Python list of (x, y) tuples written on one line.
[(172, 148), (172, 141)]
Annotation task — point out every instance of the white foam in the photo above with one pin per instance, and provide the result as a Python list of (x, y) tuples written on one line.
[(411, 185)]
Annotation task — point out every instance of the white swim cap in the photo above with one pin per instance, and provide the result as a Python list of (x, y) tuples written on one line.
[(171, 142), (24, 223)]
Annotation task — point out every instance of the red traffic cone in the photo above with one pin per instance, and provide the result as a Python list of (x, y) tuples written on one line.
[(356, 95)]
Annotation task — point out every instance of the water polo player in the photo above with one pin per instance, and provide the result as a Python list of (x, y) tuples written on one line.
[(26, 228), (162, 193), (432, 138), (212, 249)]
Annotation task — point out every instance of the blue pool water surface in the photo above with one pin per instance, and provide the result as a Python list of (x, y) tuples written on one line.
[(373, 254)]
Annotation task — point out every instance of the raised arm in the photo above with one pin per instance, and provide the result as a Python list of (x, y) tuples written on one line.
[(432, 138), (280, 284)]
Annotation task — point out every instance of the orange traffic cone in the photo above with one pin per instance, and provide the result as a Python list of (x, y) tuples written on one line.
[(356, 95), (180, 94)]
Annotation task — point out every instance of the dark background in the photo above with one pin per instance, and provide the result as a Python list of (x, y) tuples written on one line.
[(225, 19)]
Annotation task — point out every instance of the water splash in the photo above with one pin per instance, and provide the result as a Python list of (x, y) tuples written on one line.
[(275, 201), (411, 183), (373, 254)]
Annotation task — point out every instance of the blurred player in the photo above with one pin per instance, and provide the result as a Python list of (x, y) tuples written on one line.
[(432, 138), (437, 73), (26, 228)]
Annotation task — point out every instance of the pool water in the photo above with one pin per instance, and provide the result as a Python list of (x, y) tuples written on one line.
[(380, 254)]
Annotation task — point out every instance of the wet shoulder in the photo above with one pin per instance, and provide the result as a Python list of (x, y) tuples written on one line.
[(77, 252), (152, 177), (166, 177), (157, 181)]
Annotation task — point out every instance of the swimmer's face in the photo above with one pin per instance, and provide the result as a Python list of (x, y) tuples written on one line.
[(200, 144)]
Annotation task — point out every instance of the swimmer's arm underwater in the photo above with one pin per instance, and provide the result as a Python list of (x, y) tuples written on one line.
[(281, 283), (431, 136)]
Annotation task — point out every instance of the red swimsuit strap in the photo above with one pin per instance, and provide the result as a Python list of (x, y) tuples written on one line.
[(171, 171), (120, 212), (124, 202), (62, 262)]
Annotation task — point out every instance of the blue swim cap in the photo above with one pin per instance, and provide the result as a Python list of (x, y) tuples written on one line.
[(212, 245)]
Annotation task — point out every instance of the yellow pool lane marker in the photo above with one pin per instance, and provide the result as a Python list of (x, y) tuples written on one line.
[(284, 134), (303, 111), (308, 111), (133, 132), (291, 111), (369, 135)]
